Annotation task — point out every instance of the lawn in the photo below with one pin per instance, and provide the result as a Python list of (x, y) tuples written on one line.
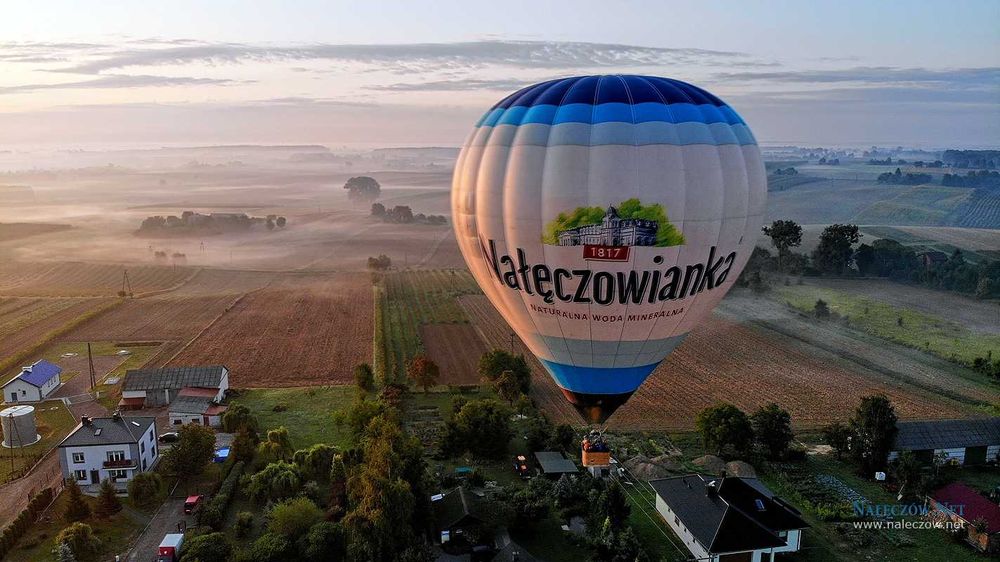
[(307, 412), (53, 421), (926, 332), (547, 541), (114, 533), (656, 537)]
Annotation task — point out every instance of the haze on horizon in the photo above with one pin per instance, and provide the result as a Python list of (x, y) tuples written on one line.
[(923, 74)]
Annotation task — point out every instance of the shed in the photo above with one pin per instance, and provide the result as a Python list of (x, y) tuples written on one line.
[(456, 512), (963, 441), (555, 463), (159, 387), (34, 383)]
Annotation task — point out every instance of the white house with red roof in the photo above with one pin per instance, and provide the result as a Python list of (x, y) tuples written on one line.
[(34, 384)]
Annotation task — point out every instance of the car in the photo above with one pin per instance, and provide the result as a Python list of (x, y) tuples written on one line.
[(169, 437), (192, 503), (521, 466)]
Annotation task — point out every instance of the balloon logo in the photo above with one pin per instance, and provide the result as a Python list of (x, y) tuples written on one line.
[(605, 217)]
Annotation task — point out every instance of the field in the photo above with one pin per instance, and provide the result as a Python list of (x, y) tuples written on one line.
[(980, 210), (456, 349), (908, 327), (410, 299), (307, 413), (305, 329), (721, 361), (17, 230), (977, 245), (69, 279)]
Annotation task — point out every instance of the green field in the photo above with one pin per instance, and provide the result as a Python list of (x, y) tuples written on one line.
[(933, 334), (53, 421), (405, 300), (307, 414)]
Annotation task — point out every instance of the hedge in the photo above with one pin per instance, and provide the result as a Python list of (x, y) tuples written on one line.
[(214, 513), (13, 532)]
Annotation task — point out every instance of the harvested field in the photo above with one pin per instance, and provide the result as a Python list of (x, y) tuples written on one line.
[(456, 348), (27, 322), (157, 318), (726, 361), (17, 230), (70, 279), (302, 330)]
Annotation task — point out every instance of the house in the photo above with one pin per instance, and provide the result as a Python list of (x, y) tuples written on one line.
[(196, 405), (931, 258), (964, 505), (459, 515), (966, 442), (612, 231), (35, 382), (728, 519), (555, 464), (144, 388), (115, 447)]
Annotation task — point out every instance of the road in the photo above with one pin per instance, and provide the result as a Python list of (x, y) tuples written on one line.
[(166, 520)]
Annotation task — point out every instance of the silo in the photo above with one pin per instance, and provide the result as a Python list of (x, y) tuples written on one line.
[(18, 423)]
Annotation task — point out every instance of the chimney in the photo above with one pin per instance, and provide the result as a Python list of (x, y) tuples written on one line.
[(85, 420), (712, 489), (117, 415)]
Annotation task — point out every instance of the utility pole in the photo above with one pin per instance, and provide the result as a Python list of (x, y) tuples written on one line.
[(90, 361), (512, 336)]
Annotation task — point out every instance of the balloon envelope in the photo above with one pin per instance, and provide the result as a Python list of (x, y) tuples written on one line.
[(604, 217)]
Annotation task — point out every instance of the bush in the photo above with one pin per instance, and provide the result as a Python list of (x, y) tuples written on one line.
[(76, 509), (144, 489), (13, 532), (244, 524), (293, 518), (212, 547), (214, 513), (81, 540), (107, 500)]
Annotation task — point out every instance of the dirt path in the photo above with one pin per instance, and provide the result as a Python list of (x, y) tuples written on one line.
[(164, 521), (978, 316)]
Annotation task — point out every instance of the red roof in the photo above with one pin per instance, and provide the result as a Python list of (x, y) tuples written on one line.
[(132, 402), (216, 409), (198, 391), (974, 505)]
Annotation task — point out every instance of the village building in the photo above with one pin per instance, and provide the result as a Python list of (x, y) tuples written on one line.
[(931, 258), (554, 464), (115, 447), (959, 503), (34, 383), (612, 231), (963, 441), (728, 519), (197, 406), (145, 388)]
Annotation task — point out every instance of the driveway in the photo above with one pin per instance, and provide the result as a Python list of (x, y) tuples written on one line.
[(166, 520)]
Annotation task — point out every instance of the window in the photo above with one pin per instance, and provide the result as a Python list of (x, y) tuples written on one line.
[(782, 534), (143, 465), (142, 446), (116, 474), (152, 450), (178, 422), (676, 521), (81, 475), (78, 458), (116, 455)]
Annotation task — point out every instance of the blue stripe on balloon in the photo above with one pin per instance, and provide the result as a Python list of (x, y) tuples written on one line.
[(614, 112), (597, 380), (602, 134)]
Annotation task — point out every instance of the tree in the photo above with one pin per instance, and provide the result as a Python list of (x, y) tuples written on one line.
[(193, 451), (834, 253), (864, 258), (838, 437), (784, 234), (481, 427), (77, 508), (237, 417), (281, 222), (337, 505), (493, 364), (277, 446), (269, 547), (539, 434), (64, 553), (508, 387), (293, 518), (316, 460), (873, 432), (107, 500), (270, 224), (772, 427), (243, 525), (363, 188), (81, 541), (531, 504), (564, 437), (908, 472), (278, 480), (615, 506), (423, 372), (359, 415), (144, 489), (725, 426), (378, 210), (212, 547), (364, 377), (821, 309), (325, 541), (244, 445)]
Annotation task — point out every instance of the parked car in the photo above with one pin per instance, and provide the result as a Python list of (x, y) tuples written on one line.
[(170, 548), (192, 503), (169, 437)]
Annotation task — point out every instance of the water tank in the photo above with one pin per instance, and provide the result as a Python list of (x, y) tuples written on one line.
[(18, 423)]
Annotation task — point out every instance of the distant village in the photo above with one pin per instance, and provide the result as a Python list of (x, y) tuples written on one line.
[(190, 223)]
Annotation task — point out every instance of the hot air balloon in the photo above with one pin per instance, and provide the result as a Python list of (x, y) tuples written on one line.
[(605, 217)]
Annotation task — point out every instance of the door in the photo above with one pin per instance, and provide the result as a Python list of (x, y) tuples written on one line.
[(13, 397), (95, 477), (975, 455)]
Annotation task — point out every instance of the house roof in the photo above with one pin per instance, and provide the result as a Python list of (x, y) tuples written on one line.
[(727, 519), (934, 255), (455, 506), (555, 463), (975, 505), (191, 404), (38, 373), (108, 431), (947, 434), (174, 377), (198, 391)]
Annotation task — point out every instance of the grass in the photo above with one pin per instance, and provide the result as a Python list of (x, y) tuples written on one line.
[(926, 332), (53, 421), (656, 537), (547, 541), (308, 412), (36, 545)]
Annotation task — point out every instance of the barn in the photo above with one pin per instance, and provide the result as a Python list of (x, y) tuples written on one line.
[(965, 442), (197, 406), (145, 388), (34, 383)]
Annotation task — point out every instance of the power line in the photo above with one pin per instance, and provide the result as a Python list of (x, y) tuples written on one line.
[(643, 511)]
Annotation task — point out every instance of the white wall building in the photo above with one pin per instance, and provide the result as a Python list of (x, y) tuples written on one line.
[(115, 447), (728, 519), (144, 388), (968, 441), (34, 384)]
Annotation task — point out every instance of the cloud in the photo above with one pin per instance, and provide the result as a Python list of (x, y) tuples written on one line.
[(458, 85), (978, 77), (118, 81), (415, 56)]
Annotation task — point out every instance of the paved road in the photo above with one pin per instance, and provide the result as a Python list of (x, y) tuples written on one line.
[(164, 521)]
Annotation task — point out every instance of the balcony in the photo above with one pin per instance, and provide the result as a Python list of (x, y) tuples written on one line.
[(123, 463)]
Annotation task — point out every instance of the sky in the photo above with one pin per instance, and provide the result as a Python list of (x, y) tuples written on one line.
[(846, 73)]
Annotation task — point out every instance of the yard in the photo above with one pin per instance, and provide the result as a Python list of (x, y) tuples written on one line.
[(53, 421), (307, 412)]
